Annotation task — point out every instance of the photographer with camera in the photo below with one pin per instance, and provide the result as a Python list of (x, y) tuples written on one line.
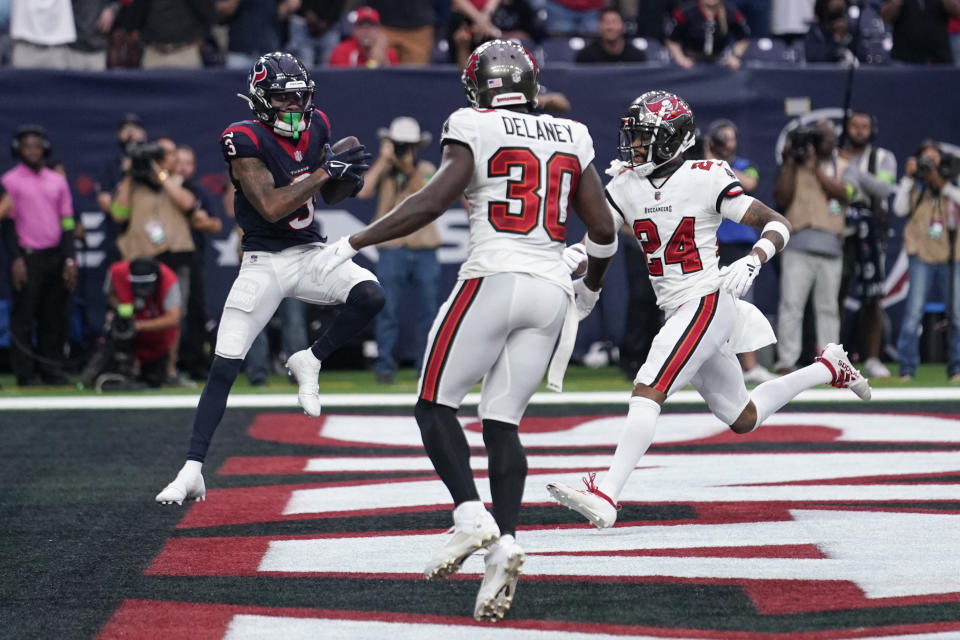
[(406, 267), (142, 324), (928, 194), (809, 190), (155, 207)]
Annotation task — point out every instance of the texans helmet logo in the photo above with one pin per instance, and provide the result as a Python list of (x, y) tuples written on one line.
[(259, 73)]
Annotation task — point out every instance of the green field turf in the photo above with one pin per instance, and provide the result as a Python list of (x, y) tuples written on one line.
[(578, 378)]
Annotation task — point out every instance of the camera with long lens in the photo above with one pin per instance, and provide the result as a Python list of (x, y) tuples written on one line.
[(949, 167), (801, 138), (141, 155), (112, 361)]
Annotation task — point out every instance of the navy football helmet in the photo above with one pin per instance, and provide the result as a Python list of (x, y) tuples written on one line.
[(500, 73), (277, 76), (664, 124)]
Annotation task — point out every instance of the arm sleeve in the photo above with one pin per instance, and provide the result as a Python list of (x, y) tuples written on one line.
[(460, 127), (952, 192), (901, 200), (731, 200), (173, 297), (65, 205)]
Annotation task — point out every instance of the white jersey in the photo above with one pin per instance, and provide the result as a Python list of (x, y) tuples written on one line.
[(526, 169), (676, 224)]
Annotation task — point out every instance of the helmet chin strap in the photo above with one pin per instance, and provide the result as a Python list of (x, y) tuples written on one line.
[(289, 124)]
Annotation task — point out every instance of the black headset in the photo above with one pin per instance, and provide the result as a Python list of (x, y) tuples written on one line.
[(28, 130)]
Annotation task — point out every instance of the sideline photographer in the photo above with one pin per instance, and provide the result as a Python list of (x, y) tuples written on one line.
[(141, 327), (928, 194), (153, 204), (809, 190), (406, 267)]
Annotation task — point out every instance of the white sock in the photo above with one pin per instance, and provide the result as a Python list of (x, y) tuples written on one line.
[(192, 467), (634, 442), (770, 396)]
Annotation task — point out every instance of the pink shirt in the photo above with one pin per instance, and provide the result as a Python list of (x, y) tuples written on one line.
[(39, 201)]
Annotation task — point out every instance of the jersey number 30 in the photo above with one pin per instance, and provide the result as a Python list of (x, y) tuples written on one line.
[(525, 191), (681, 249)]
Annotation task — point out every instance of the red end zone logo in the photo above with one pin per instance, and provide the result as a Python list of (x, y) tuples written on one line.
[(815, 526)]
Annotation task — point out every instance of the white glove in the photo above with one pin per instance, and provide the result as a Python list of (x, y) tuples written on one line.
[(585, 298), (575, 256), (331, 257), (738, 276)]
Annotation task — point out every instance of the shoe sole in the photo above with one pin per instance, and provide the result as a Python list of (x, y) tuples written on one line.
[(561, 497), (452, 565), (495, 608)]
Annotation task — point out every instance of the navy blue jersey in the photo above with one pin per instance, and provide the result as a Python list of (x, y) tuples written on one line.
[(289, 163)]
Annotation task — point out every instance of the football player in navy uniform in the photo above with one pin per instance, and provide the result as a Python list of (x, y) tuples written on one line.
[(278, 163)]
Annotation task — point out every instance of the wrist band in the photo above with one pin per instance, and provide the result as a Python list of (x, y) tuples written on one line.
[(600, 250), (777, 227), (768, 248)]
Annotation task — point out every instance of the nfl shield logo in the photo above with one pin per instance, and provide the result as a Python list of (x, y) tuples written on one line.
[(516, 76), (656, 195), (253, 258), (298, 156)]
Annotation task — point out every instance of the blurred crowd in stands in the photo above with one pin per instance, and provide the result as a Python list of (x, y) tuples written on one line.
[(151, 34)]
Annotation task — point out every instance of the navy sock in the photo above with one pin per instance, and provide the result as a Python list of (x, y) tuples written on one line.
[(363, 303), (212, 403), (447, 447), (507, 468)]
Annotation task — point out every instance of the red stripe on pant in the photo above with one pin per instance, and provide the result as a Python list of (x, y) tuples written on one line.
[(441, 344), (689, 341)]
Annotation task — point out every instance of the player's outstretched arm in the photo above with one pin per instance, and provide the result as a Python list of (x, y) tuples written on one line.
[(258, 186), (591, 207), (760, 216), (427, 204)]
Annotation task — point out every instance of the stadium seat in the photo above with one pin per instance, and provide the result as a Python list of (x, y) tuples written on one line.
[(763, 51), (561, 49), (656, 52)]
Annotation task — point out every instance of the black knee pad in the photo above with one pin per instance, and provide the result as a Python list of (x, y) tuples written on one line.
[(367, 296)]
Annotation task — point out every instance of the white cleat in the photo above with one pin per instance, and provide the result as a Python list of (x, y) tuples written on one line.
[(845, 375), (592, 504), (504, 562), (473, 529), (306, 369), (188, 485)]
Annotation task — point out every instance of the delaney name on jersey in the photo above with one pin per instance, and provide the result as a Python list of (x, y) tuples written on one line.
[(556, 132)]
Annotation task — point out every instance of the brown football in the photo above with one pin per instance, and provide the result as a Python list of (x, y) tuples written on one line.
[(336, 190)]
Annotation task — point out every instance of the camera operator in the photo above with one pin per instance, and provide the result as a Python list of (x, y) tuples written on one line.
[(869, 177), (406, 267), (809, 191), (928, 194), (145, 304), (155, 207)]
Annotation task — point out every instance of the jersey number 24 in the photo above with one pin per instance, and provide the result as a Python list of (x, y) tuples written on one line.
[(525, 191), (681, 248)]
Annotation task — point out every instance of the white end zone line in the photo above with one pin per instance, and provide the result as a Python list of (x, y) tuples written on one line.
[(289, 400)]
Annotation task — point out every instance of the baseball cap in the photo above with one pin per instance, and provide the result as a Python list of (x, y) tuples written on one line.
[(366, 14), (129, 118)]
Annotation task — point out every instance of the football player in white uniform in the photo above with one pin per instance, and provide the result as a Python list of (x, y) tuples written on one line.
[(520, 172), (674, 208)]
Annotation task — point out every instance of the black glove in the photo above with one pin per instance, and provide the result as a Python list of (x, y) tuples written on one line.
[(346, 164)]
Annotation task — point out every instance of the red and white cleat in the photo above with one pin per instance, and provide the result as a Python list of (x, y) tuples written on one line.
[(845, 375)]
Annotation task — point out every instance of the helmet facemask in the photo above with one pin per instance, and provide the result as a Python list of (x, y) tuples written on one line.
[(291, 118)]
